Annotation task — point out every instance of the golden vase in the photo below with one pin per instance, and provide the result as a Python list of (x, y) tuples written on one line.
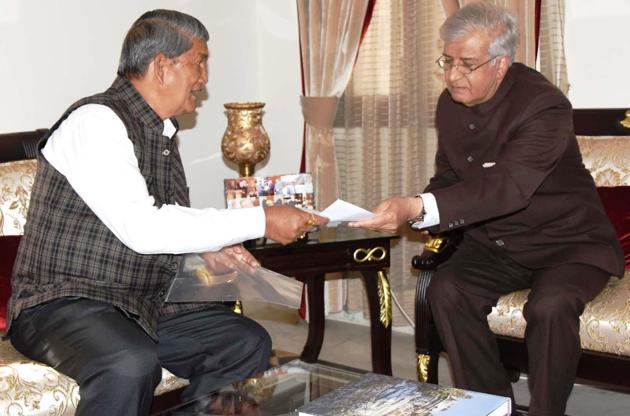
[(245, 141)]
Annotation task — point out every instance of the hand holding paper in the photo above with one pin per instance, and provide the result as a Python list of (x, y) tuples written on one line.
[(391, 213), (285, 224), (340, 211)]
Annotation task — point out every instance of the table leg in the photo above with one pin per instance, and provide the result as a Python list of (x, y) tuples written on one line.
[(380, 319), (317, 322)]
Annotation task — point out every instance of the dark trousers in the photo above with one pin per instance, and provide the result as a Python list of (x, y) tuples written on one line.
[(464, 290), (117, 365)]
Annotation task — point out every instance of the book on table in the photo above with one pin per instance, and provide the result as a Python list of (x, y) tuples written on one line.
[(377, 394)]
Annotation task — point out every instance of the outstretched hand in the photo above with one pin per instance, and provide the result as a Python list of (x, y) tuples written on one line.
[(391, 213), (286, 224)]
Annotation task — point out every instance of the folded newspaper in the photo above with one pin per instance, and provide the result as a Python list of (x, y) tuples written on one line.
[(196, 282)]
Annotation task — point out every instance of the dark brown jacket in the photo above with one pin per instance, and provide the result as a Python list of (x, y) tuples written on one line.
[(509, 171)]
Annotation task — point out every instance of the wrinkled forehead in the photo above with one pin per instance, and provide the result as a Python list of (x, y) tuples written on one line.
[(198, 50)]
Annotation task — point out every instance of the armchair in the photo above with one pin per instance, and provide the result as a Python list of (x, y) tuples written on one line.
[(28, 387), (604, 139)]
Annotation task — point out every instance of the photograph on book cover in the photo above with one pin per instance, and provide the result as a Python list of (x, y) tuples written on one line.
[(290, 189), (278, 392), (380, 395)]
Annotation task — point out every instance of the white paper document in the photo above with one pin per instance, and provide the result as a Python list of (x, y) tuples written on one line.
[(340, 211)]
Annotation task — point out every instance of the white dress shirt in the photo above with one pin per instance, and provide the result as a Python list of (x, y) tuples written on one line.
[(92, 150)]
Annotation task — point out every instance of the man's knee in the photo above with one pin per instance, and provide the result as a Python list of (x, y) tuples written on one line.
[(121, 383), (138, 368), (553, 307), (256, 338)]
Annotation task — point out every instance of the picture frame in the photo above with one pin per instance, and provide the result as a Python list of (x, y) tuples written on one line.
[(288, 189)]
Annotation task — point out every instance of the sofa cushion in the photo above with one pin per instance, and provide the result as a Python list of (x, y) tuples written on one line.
[(607, 158), (604, 325), (16, 183), (616, 203)]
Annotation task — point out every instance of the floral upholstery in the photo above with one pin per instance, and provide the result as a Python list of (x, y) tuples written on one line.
[(608, 159), (16, 182), (605, 323)]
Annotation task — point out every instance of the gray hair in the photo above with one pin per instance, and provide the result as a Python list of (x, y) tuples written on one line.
[(158, 31), (493, 20)]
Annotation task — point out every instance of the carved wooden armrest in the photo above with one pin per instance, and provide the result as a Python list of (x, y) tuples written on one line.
[(437, 249)]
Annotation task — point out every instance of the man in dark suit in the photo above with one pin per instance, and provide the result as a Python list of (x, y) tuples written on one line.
[(510, 176)]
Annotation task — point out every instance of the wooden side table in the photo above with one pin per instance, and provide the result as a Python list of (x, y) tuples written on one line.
[(338, 250)]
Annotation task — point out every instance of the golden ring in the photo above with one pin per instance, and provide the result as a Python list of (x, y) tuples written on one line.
[(311, 221)]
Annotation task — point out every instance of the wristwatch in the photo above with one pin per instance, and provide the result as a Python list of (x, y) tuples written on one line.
[(416, 222)]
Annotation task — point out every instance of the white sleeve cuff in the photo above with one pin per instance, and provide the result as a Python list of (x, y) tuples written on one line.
[(431, 216)]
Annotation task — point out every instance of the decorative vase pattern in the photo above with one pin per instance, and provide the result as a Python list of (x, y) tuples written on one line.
[(245, 141)]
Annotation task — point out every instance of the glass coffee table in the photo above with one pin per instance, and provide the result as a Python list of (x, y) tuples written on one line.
[(280, 391)]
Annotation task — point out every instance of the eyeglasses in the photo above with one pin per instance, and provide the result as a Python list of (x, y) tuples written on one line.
[(446, 64)]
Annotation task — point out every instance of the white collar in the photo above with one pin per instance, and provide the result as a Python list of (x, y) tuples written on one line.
[(169, 128)]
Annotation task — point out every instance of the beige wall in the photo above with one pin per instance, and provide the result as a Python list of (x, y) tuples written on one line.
[(56, 51), (597, 39)]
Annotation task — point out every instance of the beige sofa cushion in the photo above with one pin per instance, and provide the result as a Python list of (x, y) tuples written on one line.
[(16, 183), (30, 388), (604, 325), (608, 158)]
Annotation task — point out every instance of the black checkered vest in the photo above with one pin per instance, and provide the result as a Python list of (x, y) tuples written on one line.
[(66, 251)]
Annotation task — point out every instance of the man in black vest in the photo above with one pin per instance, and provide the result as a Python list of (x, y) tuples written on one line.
[(509, 175), (109, 218)]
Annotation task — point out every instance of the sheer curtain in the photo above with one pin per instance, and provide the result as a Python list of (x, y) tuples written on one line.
[(551, 57), (330, 33), (384, 137)]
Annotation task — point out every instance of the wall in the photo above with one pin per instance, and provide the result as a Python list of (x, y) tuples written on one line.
[(596, 41), (57, 51)]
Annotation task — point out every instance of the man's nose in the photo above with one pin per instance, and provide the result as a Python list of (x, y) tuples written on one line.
[(454, 74), (204, 76)]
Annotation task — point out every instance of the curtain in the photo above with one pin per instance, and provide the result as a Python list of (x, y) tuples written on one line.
[(384, 134), (384, 137), (551, 57), (330, 33)]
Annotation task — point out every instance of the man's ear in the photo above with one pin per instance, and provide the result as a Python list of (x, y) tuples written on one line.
[(503, 63), (159, 65)]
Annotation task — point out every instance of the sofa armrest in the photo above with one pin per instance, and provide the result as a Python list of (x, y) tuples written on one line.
[(20, 146)]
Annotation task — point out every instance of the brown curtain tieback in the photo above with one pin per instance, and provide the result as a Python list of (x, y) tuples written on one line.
[(319, 112)]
